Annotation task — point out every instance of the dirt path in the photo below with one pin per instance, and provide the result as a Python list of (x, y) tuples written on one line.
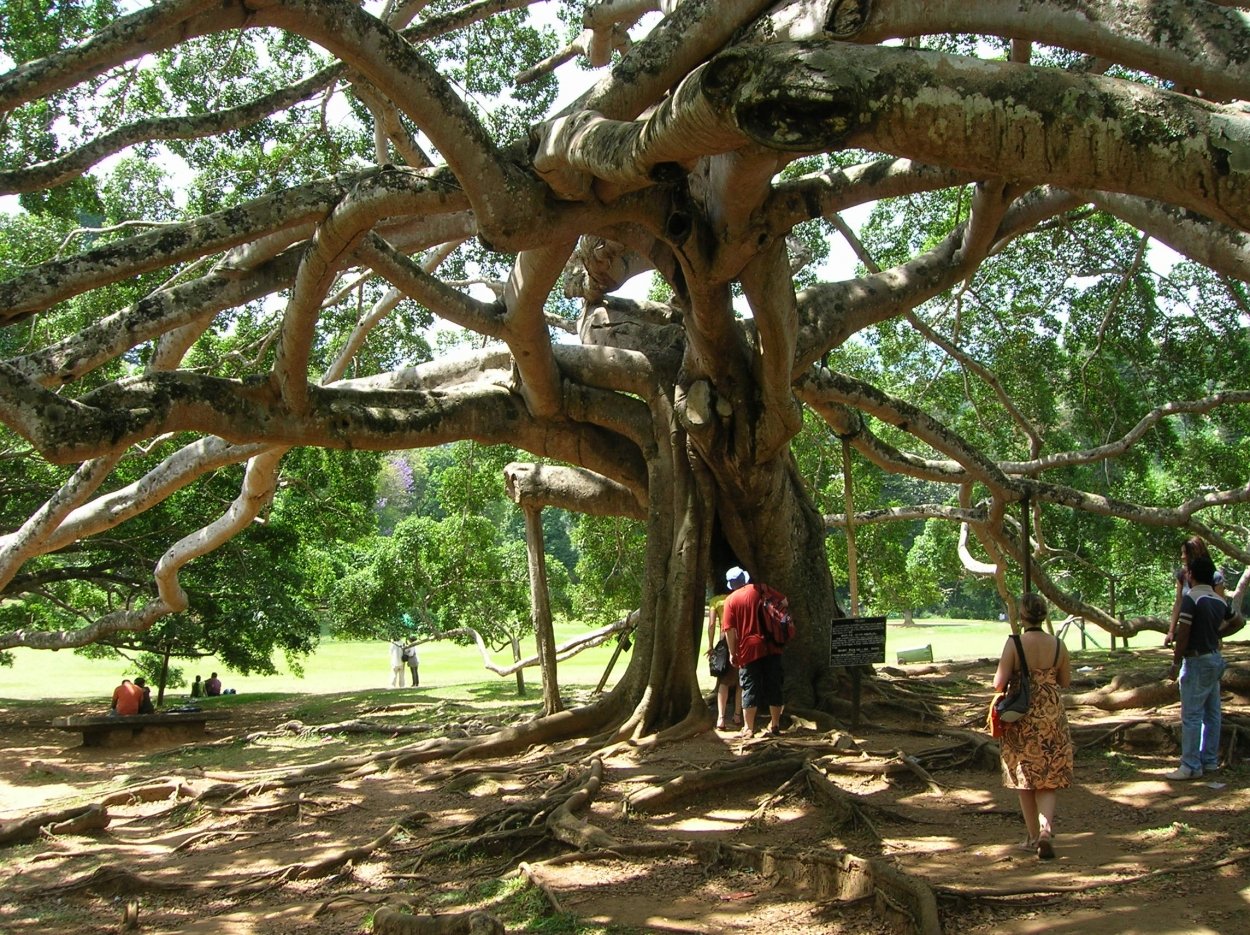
[(1135, 853)]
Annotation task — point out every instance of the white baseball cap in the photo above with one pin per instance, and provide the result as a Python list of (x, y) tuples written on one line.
[(737, 576)]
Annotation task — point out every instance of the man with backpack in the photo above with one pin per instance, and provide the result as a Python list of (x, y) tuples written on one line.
[(756, 633)]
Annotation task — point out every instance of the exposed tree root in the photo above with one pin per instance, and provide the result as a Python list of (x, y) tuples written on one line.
[(564, 825), (1108, 698), (172, 787), (751, 769), (354, 726), (535, 880), (330, 862), (94, 818), (812, 719), (208, 836), (528, 822), (391, 921), (972, 749), (21, 830), (898, 898), (902, 900), (115, 881), (984, 892), (783, 790), (847, 812)]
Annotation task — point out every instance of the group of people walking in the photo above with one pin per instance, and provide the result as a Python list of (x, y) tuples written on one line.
[(1036, 751)]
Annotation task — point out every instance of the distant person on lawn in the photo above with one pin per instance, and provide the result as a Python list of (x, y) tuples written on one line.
[(127, 697), (410, 656), (197, 688), (397, 664), (212, 687)]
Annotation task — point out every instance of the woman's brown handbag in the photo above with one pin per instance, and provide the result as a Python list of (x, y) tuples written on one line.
[(1014, 703)]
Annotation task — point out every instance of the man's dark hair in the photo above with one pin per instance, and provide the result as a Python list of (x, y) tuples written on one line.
[(1202, 569)]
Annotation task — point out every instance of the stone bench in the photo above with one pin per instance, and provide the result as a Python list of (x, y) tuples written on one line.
[(109, 731), (918, 654)]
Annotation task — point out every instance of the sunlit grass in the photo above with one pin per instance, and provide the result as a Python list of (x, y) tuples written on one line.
[(452, 672)]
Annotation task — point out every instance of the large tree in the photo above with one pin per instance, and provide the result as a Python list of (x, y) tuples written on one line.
[(352, 170)]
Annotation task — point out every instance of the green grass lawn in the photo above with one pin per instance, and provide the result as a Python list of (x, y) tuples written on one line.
[(340, 666)]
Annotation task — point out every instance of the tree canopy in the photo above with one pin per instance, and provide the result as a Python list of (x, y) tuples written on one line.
[(240, 223)]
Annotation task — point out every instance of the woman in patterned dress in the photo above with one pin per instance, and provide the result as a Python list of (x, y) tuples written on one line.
[(1036, 750)]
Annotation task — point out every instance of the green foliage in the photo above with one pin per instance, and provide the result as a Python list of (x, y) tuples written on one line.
[(610, 566)]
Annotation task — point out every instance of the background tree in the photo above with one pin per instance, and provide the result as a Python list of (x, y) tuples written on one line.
[(352, 173)]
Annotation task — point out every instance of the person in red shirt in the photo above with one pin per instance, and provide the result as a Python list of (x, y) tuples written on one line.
[(126, 698), (758, 660)]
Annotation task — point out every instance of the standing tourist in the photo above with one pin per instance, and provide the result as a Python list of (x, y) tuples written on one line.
[(757, 659), (410, 657), (397, 664), (1196, 659), (1190, 549), (727, 681), (1037, 754)]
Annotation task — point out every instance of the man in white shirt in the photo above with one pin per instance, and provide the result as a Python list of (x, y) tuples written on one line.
[(397, 664)]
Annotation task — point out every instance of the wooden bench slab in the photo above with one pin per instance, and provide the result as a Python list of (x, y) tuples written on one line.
[(118, 731)]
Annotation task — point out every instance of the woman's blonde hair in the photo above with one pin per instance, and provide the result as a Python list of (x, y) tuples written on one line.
[(1033, 608)]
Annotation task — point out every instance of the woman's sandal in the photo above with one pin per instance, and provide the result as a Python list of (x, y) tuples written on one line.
[(1045, 850), (721, 725)]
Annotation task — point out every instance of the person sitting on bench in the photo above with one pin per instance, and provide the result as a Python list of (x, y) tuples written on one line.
[(127, 697), (145, 706)]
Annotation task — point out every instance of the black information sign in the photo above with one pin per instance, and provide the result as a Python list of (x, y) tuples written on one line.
[(857, 641)]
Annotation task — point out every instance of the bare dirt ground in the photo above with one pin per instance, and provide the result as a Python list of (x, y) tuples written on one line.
[(244, 833)]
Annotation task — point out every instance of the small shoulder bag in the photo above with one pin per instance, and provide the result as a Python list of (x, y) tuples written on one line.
[(1015, 703)]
